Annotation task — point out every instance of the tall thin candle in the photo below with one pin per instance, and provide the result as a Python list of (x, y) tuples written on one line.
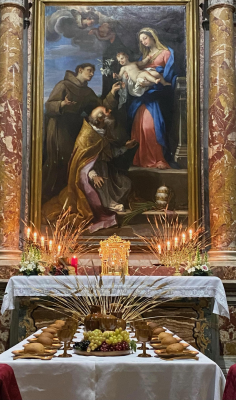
[(42, 242), (35, 237), (183, 238), (176, 242), (74, 263), (190, 234), (28, 233), (159, 248), (168, 245), (50, 245)]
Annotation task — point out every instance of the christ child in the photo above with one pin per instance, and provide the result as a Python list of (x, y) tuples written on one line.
[(134, 71)]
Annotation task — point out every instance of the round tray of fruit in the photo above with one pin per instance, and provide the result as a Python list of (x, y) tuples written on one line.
[(105, 344)]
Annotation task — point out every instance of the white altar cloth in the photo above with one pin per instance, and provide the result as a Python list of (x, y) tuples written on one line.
[(116, 378), (176, 286)]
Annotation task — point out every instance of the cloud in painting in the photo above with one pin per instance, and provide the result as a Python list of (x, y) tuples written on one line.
[(169, 22), (67, 23)]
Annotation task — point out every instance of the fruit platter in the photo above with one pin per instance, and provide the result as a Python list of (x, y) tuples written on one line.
[(105, 344)]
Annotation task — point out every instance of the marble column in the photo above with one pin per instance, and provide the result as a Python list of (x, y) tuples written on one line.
[(222, 130), (11, 90)]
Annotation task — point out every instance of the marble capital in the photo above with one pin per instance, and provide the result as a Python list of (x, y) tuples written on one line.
[(19, 3), (212, 3)]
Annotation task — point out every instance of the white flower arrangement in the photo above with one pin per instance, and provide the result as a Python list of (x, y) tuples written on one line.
[(198, 267), (30, 262)]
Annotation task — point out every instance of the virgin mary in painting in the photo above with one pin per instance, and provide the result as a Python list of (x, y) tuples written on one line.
[(148, 124)]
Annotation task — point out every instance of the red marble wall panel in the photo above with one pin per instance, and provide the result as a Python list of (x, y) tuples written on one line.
[(222, 129), (11, 88)]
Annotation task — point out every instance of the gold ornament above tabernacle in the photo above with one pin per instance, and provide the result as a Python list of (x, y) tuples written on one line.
[(114, 253)]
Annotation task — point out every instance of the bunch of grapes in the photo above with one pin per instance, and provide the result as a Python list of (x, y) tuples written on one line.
[(116, 347), (107, 341), (82, 345)]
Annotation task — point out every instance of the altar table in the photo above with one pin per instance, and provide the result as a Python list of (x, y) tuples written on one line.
[(116, 378), (176, 286)]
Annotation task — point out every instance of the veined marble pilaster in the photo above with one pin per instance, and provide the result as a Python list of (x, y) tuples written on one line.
[(222, 127), (11, 88)]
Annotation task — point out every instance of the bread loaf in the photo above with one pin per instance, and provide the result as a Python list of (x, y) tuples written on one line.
[(175, 348), (153, 325), (45, 340), (48, 334), (59, 322), (51, 330), (34, 348), (157, 331), (164, 334), (168, 340)]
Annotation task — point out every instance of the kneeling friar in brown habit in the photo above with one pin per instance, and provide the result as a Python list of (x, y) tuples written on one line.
[(96, 189)]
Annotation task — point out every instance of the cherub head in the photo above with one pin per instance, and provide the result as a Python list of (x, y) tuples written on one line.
[(122, 58), (88, 22), (84, 17), (105, 29)]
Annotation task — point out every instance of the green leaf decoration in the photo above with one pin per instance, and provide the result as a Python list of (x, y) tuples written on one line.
[(133, 345)]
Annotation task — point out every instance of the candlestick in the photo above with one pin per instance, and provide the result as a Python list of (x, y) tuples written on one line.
[(50, 245), (168, 246), (159, 248), (28, 233), (183, 238), (176, 242), (35, 237), (42, 242), (190, 234)]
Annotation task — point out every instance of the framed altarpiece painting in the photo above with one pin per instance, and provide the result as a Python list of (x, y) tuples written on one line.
[(115, 122)]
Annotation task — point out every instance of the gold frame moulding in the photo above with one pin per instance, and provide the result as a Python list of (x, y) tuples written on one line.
[(192, 46)]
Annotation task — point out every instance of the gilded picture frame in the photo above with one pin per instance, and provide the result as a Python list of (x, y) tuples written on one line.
[(189, 153)]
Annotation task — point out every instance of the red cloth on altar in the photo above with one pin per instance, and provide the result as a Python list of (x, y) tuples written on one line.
[(8, 386), (230, 387)]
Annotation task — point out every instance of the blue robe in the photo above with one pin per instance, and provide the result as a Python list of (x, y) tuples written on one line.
[(152, 104)]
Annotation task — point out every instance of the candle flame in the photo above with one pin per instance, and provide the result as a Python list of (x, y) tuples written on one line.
[(28, 233)]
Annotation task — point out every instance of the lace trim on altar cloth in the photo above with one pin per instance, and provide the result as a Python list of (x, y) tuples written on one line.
[(192, 287)]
